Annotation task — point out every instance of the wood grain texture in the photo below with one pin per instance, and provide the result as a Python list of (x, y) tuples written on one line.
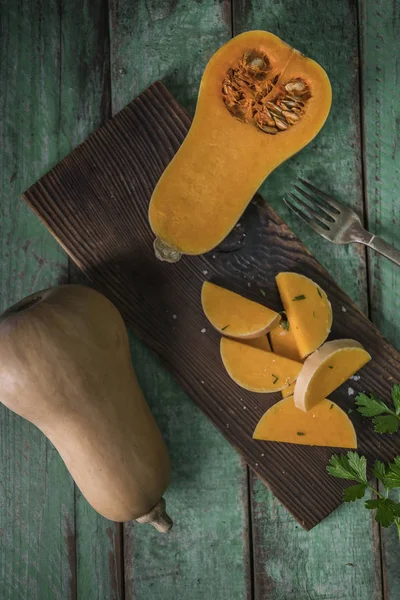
[(84, 105), (208, 494), (95, 203), (380, 33), (37, 531), (334, 165)]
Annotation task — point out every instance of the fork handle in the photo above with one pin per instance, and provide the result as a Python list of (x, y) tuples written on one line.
[(379, 245)]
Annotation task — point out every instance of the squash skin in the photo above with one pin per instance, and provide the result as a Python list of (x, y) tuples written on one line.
[(65, 366), (222, 162)]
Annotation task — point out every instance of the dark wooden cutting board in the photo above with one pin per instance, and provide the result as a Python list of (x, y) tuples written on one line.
[(95, 204)]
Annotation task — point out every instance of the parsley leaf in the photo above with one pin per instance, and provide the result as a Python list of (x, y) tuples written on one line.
[(359, 466), (396, 398), (296, 298), (262, 292), (386, 510), (379, 470), (386, 424), (352, 467), (284, 324), (370, 406), (385, 419), (354, 492), (223, 328), (392, 478)]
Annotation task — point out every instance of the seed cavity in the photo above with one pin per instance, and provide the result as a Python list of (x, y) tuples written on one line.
[(251, 93)]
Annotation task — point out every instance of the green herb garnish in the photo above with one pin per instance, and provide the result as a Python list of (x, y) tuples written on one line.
[(331, 406), (262, 292), (276, 378), (223, 328), (354, 468), (385, 419), (319, 292), (301, 297), (330, 367), (284, 324), (300, 433)]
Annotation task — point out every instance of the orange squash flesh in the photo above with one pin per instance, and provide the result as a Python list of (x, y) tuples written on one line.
[(261, 343), (223, 161), (284, 343), (308, 310), (236, 316), (325, 425), (257, 370), (326, 369)]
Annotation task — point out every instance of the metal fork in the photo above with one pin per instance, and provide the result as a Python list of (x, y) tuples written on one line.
[(336, 222)]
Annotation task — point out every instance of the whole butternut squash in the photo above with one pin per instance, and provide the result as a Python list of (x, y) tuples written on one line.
[(260, 101), (65, 366)]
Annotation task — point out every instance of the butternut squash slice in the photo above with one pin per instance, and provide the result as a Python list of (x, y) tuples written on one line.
[(326, 369), (255, 369), (284, 344), (308, 310), (283, 341), (236, 316), (326, 424), (260, 101), (261, 343)]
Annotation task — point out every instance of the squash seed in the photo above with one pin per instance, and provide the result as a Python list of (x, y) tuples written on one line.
[(246, 92)]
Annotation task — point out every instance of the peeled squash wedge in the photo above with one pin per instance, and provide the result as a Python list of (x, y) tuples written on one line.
[(257, 370), (326, 424), (308, 310), (284, 343), (236, 316), (260, 101), (261, 343), (326, 369), (65, 366)]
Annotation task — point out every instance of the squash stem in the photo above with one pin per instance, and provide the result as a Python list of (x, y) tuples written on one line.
[(165, 252), (158, 517)]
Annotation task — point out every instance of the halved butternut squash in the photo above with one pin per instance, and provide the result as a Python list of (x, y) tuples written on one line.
[(255, 369), (236, 316), (260, 101), (308, 310), (326, 369), (326, 424)]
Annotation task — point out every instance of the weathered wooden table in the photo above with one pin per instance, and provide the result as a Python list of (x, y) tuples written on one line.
[(65, 68)]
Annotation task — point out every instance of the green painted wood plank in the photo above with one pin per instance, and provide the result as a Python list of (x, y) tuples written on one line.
[(205, 555), (85, 105), (37, 550), (290, 563), (380, 34)]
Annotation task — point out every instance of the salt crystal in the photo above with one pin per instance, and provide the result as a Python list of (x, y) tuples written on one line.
[(350, 391), (174, 317), (214, 256), (344, 309), (256, 464), (202, 382), (355, 377), (249, 284), (263, 454), (205, 272), (244, 407), (203, 330)]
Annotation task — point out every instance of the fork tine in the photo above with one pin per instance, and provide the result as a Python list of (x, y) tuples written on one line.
[(328, 212), (313, 213), (317, 228), (332, 203)]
